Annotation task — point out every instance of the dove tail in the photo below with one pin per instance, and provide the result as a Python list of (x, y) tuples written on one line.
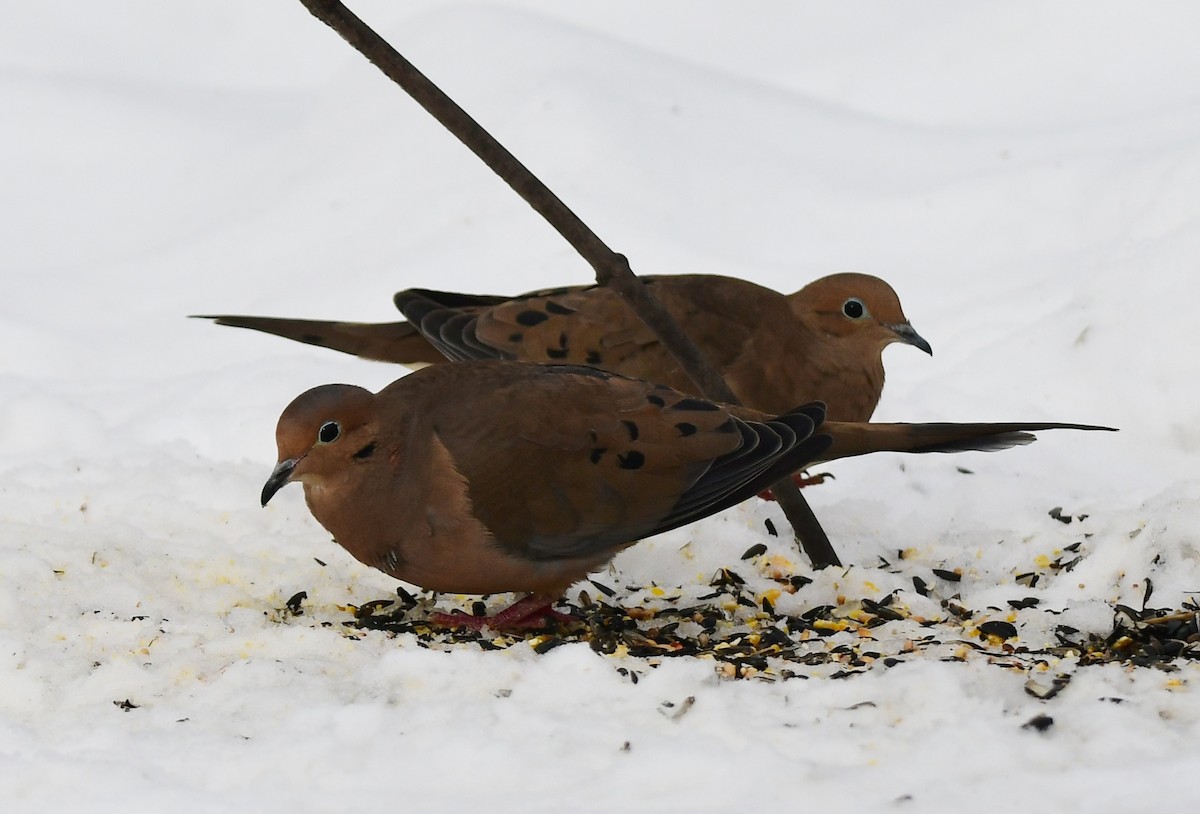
[(397, 342), (850, 439)]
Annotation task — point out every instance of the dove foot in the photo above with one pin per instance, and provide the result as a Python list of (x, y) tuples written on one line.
[(530, 613), (801, 479)]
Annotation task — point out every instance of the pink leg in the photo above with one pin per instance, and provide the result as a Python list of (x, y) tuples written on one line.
[(530, 613), (801, 479)]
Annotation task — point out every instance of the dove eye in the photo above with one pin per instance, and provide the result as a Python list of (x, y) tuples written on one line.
[(329, 432), (854, 308)]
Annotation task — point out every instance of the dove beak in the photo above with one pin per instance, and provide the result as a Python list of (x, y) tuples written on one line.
[(280, 475), (905, 333)]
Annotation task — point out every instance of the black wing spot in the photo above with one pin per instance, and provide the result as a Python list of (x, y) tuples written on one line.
[(685, 429), (631, 460), (597, 454), (365, 452), (592, 358), (729, 426), (531, 318), (699, 405), (554, 308), (516, 337), (633, 430), (556, 353), (655, 400)]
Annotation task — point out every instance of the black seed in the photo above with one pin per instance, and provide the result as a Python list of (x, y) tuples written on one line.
[(685, 429), (1039, 722), (770, 527), (920, 586), (365, 452), (699, 405), (548, 645), (602, 588), (1004, 630), (318, 562), (293, 604), (655, 400), (631, 460), (754, 551), (633, 430), (949, 576), (531, 318), (597, 454), (1057, 514), (478, 608), (1027, 602), (555, 308), (368, 608)]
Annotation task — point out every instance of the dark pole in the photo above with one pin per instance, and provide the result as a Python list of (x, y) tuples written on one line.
[(612, 269)]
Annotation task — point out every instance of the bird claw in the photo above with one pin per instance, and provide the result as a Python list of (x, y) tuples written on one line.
[(530, 613), (801, 479)]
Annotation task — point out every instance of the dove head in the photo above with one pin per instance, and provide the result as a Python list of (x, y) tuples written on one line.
[(858, 307), (323, 431)]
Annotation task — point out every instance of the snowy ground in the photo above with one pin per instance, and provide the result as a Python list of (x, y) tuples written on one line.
[(1025, 175)]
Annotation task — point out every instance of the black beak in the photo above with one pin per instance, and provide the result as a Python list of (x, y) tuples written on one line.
[(279, 478), (910, 337)]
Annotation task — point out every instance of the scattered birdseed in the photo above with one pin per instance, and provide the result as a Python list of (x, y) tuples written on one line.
[(747, 635)]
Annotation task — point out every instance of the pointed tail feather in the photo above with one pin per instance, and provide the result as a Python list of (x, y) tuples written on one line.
[(850, 439), (397, 342)]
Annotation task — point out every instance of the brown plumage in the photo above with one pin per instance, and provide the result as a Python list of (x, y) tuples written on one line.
[(823, 342), (504, 476)]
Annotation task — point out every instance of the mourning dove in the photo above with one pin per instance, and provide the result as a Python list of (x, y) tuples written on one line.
[(488, 477), (776, 351)]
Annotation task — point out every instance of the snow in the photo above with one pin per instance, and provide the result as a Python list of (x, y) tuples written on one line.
[(1024, 174)]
